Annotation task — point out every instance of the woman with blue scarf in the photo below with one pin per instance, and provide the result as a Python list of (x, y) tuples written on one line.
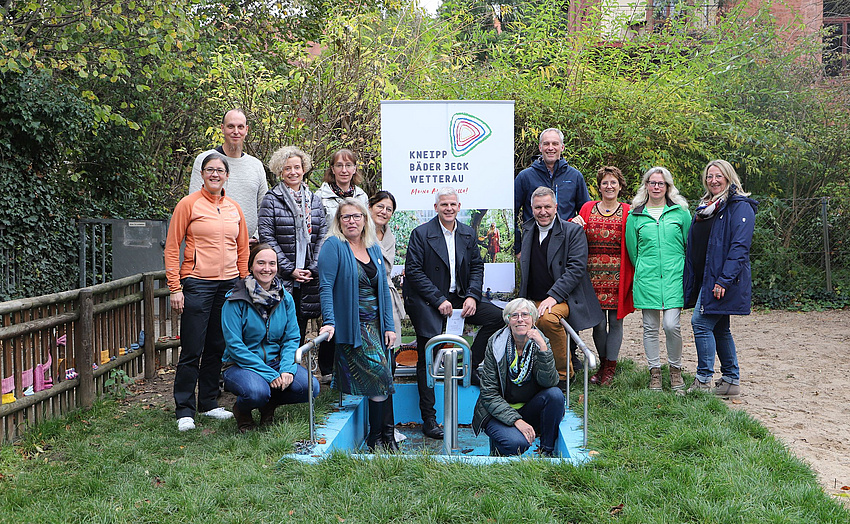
[(718, 280), (261, 335), (520, 399)]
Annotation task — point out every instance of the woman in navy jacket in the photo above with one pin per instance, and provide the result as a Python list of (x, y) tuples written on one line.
[(718, 281), (357, 312), (261, 336)]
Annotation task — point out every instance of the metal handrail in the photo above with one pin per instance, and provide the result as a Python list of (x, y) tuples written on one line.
[(448, 356), (589, 363), (299, 355)]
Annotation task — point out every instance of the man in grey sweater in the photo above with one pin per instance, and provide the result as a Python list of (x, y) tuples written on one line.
[(247, 183)]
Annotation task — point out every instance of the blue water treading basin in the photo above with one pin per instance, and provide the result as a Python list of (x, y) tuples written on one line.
[(345, 430)]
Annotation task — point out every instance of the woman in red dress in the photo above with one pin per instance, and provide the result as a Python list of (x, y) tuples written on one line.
[(609, 266)]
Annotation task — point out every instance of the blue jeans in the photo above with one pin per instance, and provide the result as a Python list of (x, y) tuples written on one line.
[(252, 390), (712, 336), (543, 412)]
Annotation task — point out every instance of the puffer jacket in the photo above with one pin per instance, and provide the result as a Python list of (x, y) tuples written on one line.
[(657, 250), (276, 227), (727, 260), (493, 374)]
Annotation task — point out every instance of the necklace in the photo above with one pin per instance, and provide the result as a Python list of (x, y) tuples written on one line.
[(605, 210)]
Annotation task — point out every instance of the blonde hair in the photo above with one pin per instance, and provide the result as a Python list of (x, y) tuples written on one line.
[(672, 194), (731, 176), (282, 155), (367, 235)]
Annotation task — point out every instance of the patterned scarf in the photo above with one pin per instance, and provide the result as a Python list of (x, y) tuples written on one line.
[(708, 208), (303, 207), (264, 300), (519, 369), (340, 193)]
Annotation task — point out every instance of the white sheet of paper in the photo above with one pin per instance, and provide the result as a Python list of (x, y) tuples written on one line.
[(454, 325)]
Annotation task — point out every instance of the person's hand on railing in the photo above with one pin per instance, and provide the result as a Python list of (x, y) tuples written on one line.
[(329, 329)]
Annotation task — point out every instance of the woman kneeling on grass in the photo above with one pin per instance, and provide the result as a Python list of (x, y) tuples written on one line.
[(519, 395), (261, 335)]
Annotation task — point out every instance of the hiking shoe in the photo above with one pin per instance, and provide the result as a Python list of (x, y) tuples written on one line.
[(726, 389), (219, 413), (655, 379), (676, 382), (185, 423), (699, 386)]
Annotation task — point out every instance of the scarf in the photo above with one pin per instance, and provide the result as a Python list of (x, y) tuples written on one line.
[(340, 193), (265, 301), (299, 203), (519, 368), (708, 208)]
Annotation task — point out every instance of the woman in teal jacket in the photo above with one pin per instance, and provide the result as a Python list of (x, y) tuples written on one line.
[(261, 335), (656, 233)]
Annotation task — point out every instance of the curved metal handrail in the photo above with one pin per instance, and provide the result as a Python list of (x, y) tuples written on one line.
[(448, 357), (589, 363), (299, 355)]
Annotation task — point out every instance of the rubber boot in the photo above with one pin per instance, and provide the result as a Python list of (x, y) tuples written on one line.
[(244, 421), (376, 421), (388, 426), (608, 374)]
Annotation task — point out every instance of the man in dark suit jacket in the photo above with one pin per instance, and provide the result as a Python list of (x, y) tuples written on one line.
[(437, 280), (553, 264)]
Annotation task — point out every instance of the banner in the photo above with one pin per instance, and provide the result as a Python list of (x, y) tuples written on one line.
[(469, 146)]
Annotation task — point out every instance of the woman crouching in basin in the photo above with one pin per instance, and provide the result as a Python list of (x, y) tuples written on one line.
[(519, 397), (261, 335)]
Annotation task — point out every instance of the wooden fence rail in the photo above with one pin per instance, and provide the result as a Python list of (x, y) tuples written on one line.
[(62, 335)]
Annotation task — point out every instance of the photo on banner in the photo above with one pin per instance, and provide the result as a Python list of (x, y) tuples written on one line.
[(464, 144)]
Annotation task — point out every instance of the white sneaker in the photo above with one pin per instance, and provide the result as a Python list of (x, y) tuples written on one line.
[(185, 423), (219, 413)]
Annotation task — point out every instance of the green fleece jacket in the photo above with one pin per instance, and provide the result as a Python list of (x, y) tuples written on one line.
[(657, 250)]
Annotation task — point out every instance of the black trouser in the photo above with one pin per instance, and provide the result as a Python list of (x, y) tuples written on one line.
[(201, 345), (326, 350), (488, 317)]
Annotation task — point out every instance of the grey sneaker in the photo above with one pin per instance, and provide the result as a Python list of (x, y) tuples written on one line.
[(219, 413), (726, 389), (676, 382), (699, 386), (655, 379)]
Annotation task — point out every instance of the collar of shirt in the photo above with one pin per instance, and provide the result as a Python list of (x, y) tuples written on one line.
[(544, 231)]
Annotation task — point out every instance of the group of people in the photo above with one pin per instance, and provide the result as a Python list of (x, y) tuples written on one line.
[(258, 264)]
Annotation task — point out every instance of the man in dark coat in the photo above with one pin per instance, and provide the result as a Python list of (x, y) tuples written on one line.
[(554, 172), (554, 275), (439, 279)]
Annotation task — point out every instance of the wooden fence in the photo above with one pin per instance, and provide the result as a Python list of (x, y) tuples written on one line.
[(62, 335)]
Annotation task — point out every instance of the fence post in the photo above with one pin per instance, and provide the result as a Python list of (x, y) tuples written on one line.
[(825, 220), (150, 343), (84, 348)]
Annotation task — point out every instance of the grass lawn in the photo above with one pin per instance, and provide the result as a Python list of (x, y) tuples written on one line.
[(661, 459)]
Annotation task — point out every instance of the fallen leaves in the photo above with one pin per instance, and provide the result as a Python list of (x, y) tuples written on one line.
[(616, 510)]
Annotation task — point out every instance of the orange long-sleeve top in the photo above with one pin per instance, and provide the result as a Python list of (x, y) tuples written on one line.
[(216, 239)]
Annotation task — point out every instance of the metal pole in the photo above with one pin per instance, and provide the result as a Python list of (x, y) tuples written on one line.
[(825, 219), (299, 355), (450, 442), (589, 364)]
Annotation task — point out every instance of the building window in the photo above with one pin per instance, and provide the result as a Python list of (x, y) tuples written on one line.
[(836, 42)]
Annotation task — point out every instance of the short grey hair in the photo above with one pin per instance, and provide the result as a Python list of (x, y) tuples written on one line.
[(368, 235), (519, 304), (555, 129), (544, 191), (445, 191), (282, 155)]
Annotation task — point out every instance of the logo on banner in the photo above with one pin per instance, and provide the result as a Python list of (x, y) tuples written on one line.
[(466, 132)]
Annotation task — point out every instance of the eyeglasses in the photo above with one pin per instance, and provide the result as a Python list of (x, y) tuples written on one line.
[(656, 184), (525, 315), (714, 177), (346, 166), (214, 170), (357, 217), (382, 207)]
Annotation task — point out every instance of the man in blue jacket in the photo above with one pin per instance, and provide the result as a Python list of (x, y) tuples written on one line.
[(552, 171)]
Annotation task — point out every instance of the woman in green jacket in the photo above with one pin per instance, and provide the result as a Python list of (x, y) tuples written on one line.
[(655, 238)]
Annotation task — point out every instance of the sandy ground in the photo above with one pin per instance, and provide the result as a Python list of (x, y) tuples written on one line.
[(794, 371)]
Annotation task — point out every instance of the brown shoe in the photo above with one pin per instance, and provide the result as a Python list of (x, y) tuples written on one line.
[(267, 414), (597, 378), (726, 389), (244, 421), (676, 382), (608, 373), (655, 379)]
